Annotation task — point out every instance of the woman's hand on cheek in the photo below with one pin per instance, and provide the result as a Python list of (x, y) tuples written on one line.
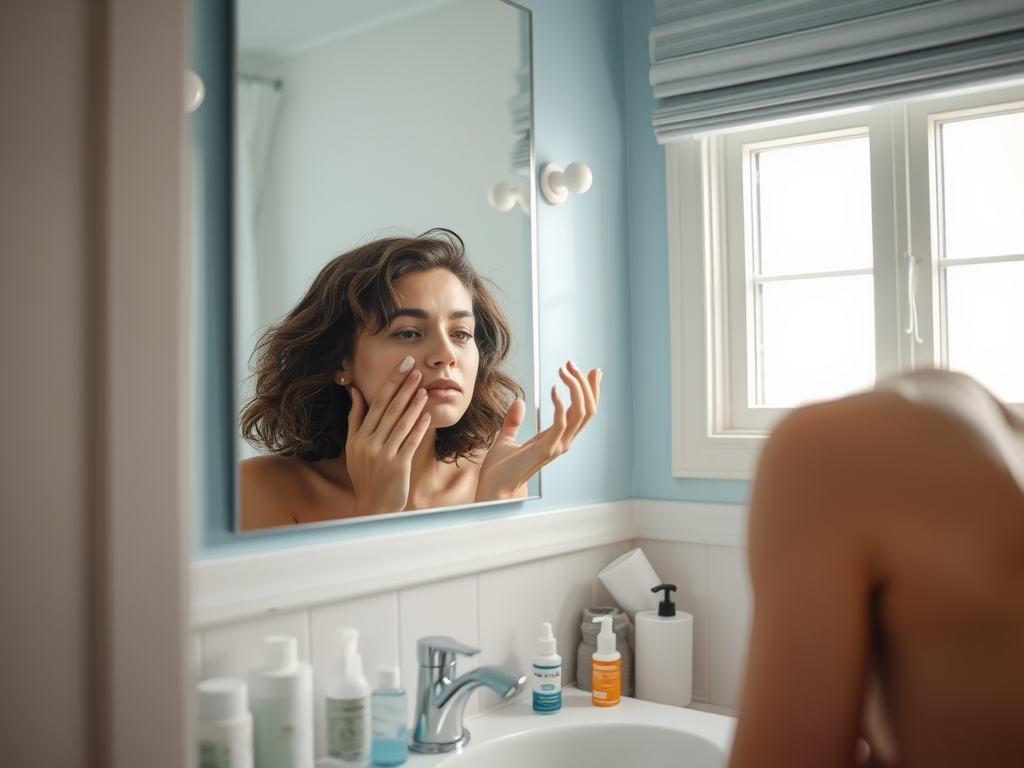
[(508, 466), (382, 439)]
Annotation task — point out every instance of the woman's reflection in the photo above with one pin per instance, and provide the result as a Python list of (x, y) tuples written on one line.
[(383, 391)]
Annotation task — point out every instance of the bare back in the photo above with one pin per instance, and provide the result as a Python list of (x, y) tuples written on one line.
[(887, 543)]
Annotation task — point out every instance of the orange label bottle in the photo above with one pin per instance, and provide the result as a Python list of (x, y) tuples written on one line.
[(606, 667), (606, 679)]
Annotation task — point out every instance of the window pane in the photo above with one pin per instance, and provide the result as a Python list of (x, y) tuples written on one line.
[(814, 205), (818, 339), (985, 323), (983, 186)]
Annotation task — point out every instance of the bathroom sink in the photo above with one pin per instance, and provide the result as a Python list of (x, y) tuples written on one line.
[(615, 745), (634, 734)]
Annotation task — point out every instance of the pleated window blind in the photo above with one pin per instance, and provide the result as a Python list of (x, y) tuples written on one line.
[(717, 64)]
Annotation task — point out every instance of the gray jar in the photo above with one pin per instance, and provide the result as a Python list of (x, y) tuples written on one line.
[(623, 629)]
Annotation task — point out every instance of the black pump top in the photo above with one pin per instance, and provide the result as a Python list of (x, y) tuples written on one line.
[(666, 607)]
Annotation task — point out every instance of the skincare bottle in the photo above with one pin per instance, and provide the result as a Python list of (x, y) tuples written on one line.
[(622, 628), (606, 667), (348, 704), (224, 730), (664, 653), (281, 701), (390, 741), (547, 673)]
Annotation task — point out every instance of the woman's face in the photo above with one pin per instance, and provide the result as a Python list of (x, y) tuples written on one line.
[(435, 326)]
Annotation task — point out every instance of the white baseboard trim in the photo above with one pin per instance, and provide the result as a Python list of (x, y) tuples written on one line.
[(237, 588)]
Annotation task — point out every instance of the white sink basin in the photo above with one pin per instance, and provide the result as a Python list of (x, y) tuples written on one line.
[(637, 734), (615, 745)]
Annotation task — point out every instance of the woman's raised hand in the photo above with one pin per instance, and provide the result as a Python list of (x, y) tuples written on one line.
[(508, 466), (382, 440)]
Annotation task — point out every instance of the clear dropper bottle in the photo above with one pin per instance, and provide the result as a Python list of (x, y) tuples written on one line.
[(390, 745)]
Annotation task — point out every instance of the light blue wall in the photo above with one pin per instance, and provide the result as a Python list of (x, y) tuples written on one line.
[(584, 273), (648, 249)]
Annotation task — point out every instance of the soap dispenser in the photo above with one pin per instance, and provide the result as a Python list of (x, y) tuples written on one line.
[(664, 652), (606, 667), (347, 705)]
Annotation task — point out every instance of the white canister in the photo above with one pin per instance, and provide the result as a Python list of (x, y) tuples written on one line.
[(629, 579), (664, 653), (224, 730), (281, 700)]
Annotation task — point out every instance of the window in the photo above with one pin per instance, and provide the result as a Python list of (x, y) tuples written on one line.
[(808, 259)]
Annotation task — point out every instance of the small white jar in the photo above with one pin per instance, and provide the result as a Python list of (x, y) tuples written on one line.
[(224, 730)]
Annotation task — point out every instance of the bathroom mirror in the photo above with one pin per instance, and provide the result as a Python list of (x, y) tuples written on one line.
[(356, 119)]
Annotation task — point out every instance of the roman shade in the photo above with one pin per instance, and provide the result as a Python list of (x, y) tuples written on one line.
[(717, 64)]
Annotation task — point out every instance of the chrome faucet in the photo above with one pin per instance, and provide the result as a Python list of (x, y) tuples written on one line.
[(441, 697)]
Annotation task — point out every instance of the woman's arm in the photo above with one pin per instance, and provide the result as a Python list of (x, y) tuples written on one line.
[(508, 466)]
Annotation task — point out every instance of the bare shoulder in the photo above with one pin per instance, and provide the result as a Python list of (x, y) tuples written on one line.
[(268, 488), (813, 465), (917, 422)]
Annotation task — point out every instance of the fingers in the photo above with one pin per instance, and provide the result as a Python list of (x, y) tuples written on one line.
[(356, 413), (513, 421), (417, 429), (408, 421), (391, 402), (584, 391), (551, 438)]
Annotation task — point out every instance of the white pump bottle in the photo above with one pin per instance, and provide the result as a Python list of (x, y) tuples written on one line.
[(547, 673), (347, 708)]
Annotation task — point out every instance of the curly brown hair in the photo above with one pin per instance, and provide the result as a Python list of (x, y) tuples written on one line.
[(298, 409)]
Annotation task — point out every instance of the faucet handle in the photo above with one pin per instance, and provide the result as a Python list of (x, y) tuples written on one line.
[(440, 650)]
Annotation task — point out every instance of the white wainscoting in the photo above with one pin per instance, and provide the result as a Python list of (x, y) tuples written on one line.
[(488, 584)]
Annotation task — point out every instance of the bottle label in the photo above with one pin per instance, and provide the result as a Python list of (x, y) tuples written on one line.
[(213, 755), (389, 717), (347, 729), (281, 730), (606, 682), (547, 688)]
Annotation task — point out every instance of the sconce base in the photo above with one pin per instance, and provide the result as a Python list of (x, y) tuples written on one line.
[(552, 185)]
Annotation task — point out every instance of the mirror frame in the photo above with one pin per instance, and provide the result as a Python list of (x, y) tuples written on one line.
[(214, 376)]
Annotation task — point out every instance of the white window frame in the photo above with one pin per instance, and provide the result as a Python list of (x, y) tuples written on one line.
[(698, 186)]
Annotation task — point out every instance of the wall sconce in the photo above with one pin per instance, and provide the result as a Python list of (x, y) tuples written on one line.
[(556, 184), (503, 197), (195, 91)]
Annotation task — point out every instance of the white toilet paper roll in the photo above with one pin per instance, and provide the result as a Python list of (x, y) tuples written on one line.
[(630, 579)]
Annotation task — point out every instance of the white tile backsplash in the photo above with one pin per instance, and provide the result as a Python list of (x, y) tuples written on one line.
[(500, 612), (446, 607), (729, 604), (511, 611), (376, 618), (568, 589), (234, 649)]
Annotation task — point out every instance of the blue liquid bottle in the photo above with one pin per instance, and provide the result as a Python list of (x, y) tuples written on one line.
[(390, 744)]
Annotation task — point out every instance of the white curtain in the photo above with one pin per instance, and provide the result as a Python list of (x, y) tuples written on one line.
[(717, 64), (257, 102)]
